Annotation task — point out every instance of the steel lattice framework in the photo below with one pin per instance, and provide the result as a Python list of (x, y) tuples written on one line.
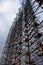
[(24, 43)]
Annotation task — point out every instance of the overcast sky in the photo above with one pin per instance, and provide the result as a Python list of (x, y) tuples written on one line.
[(8, 10)]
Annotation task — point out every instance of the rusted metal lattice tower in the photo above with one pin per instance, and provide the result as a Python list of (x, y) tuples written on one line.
[(24, 43)]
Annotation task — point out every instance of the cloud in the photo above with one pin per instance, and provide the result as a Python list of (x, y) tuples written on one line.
[(8, 10)]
